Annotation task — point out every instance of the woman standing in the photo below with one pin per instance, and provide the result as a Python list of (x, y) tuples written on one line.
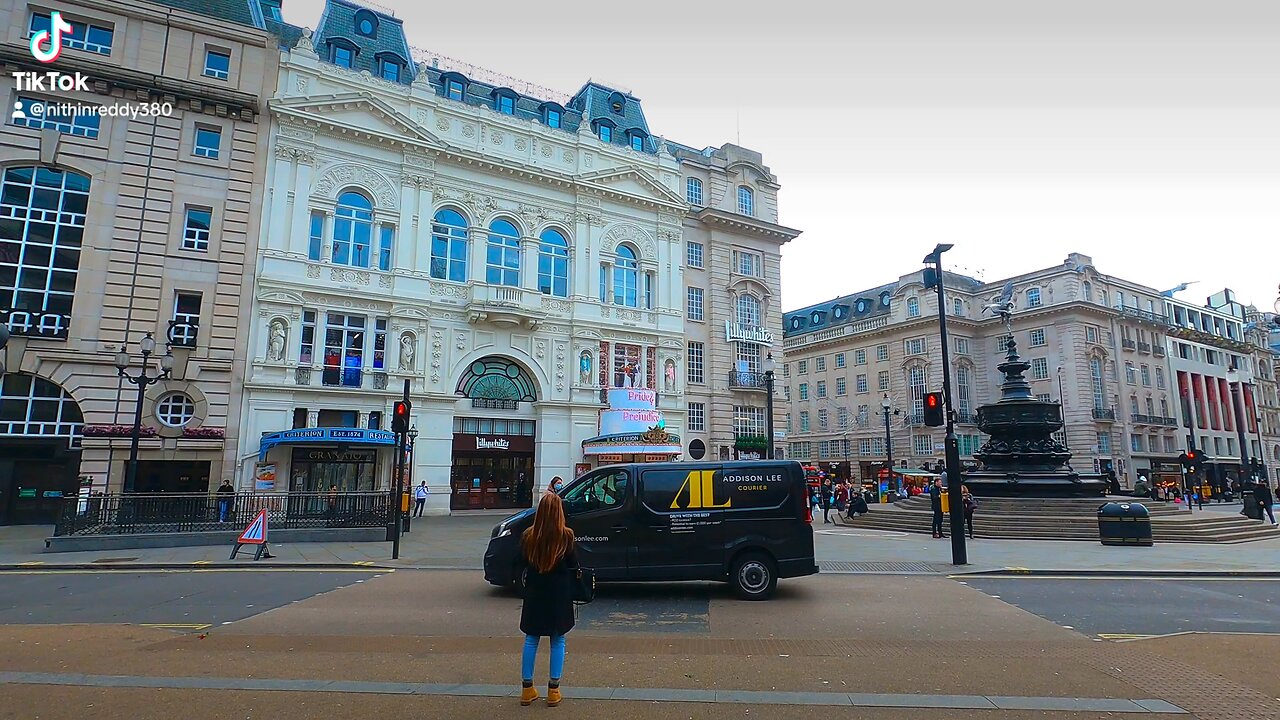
[(547, 550), (970, 505)]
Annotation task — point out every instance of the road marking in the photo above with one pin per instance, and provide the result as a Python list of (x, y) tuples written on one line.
[(363, 562), (874, 533), (1123, 636), (1186, 578), (177, 626), (158, 571), (202, 562), (34, 563)]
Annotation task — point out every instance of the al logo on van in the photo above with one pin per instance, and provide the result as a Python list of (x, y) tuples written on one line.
[(699, 489)]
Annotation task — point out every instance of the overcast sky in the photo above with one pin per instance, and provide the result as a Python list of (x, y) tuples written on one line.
[(1145, 133)]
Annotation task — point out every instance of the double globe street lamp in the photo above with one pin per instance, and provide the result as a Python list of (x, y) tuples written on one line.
[(142, 380)]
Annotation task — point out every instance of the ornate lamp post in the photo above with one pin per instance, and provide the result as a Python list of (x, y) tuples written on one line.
[(1235, 380), (770, 366), (888, 438), (142, 380)]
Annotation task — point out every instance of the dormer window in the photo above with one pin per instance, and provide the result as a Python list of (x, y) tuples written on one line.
[(637, 140), (617, 102), (746, 200), (504, 102), (389, 69), (454, 86), (604, 130), (552, 115), (342, 55), (366, 23)]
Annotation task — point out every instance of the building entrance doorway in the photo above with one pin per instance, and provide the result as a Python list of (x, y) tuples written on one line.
[(35, 476), (492, 465)]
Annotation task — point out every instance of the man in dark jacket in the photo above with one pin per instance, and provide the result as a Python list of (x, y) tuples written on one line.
[(935, 502), (825, 499), (1262, 493)]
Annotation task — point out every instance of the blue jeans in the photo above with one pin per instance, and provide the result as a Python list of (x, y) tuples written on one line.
[(531, 653), (224, 508)]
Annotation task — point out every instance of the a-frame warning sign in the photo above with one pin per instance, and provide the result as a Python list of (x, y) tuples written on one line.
[(255, 534)]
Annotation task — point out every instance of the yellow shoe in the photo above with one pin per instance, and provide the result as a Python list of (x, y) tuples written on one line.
[(553, 696), (528, 695)]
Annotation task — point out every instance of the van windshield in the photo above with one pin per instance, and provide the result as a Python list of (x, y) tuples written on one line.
[(597, 492)]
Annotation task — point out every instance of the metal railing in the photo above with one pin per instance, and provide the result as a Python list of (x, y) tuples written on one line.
[(754, 380), (1144, 347), (966, 417), (1158, 351), (1129, 344), (1147, 315), (1104, 413), (134, 514), (1140, 419)]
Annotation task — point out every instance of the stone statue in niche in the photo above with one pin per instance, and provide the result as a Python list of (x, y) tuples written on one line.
[(669, 375), (584, 367), (276, 336), (406, 351)]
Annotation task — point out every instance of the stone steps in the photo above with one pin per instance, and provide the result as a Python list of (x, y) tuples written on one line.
[(1067, 520)]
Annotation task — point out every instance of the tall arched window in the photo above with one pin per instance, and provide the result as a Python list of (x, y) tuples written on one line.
[(352, 230), (1095, 382), (747, 354), (693, 191), (625, 270), (449, 246), (1086, 291), (553, 264), (42, 218), (748, 310), (32, 405), (502, 263), (964, 383), (913, 307), (746, 200), (916, 387)]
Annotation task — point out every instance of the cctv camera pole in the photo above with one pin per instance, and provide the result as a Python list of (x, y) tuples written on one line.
[(396, 493), (955, 484)]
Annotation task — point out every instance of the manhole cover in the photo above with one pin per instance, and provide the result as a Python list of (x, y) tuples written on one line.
[(877, 567), (114, 560)]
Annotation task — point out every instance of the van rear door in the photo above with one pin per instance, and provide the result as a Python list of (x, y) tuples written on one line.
[(679, 524)]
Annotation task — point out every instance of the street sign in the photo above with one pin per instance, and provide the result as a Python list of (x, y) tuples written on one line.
[(939, 446), (256, 533)]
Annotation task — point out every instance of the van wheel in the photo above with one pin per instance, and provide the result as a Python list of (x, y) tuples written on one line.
[(753, 577), (518, 578)]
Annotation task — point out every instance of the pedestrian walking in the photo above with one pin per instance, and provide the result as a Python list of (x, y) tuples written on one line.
[(842, 497), (226, 495), (970, 505), (547, 551), (825, 499), (1262, 493), (419, 499), (935, 502), (557, 484)]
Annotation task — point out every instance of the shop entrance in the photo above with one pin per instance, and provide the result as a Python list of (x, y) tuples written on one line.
[(321, 469), (35, 476), (492, 471)]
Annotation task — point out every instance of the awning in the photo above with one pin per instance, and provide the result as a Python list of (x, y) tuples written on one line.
[(633, 443), (312, 436)]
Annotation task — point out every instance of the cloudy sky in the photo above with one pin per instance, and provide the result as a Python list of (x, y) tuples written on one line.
[(1145, 133)]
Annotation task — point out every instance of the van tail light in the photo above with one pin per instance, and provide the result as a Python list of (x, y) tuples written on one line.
[(808, 511)]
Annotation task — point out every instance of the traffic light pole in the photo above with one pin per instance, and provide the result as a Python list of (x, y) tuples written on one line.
[(955, 483), (402, 434)]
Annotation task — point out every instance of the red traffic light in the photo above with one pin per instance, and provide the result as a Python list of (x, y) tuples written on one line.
[(931, 400), (400, 417), (933, 409), (1191, 455)]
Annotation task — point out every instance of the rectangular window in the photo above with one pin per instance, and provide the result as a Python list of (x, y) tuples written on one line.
[(1160, 378), (802, 367), (748, 420), (379, 344), (922, 444), (316, 235), (786, 370), (605, 132), (1090, 334), (39, 114), (877, 446), (842, 418), (822, 418), (627, 368), (186, 319), (1130, 374), (506, 105), (882, 353), (343, 56), (839, 360), (697, 417), (1002, 344), (962, 346), (1033, 297), (553, 118), (1104, 443), (804, 421), (94, 38), (820, 363), (637, 143), (1039, 368), (864, 446), (822, 388), (1135, 442), (913, 307), (883, 380), (957, 306), (390, 70), (693, 254), (208, 142), (804, 391), (307, 338), (217, 64), (1037, 337), (694, 363), (195, 231), (914, 346), (840, 387), (454, 90), (1146, 375), (695, 303), (749, 264), (693, 191), (375, 420), (385, 241), (861, 383), (859, 357), (299, 418), (1170, 445), (344, 343)]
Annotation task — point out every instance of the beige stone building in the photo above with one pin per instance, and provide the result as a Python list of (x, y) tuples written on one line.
[(1095, 341), (733, 309), (135, 219)]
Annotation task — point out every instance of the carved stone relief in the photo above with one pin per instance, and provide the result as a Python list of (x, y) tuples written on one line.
[(335, 179), (350, 277)]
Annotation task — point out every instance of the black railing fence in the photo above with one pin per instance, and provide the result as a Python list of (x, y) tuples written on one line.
[(205, 512)]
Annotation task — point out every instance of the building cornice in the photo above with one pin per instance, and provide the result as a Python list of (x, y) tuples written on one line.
[(747, 225)]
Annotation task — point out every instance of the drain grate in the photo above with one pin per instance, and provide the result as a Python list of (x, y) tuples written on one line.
[(103, 561), (908, 568)]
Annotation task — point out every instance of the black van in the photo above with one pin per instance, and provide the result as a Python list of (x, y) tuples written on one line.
[(748, 523)]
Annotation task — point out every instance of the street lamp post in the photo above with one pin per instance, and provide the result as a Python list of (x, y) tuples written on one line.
[(1235, 382), (413, 437), (888, 437), (955, 483), (142, 380), (770, 366)]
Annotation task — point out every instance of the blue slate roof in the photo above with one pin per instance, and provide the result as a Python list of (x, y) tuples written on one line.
[(482, 93), (841, 311), (600, 103), (339, 26), (245, 12)]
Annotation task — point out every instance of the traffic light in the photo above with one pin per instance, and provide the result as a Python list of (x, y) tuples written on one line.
[(933, 409), (400, 417), (1191, 461)]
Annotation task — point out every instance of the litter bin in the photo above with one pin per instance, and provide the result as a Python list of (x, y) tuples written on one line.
[(1124, 524), (1252, 509)]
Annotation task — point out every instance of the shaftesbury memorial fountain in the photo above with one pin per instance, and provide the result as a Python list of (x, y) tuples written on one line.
[(1022, 459)]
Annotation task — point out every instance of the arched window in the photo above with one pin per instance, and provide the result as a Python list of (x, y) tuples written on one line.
[(748, 311), (916, 383), (964, 384), (352, 230), (913, 307), (1095, 383), (42, 218), (502, 265), (449, 246), (1086, 291), (31, 405), (625, 271), (746, 200), (693, 191), (553, 264), (497, 378)]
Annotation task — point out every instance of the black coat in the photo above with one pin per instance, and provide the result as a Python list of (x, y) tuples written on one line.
[(548, 598), (1262, 494), (935, 498)]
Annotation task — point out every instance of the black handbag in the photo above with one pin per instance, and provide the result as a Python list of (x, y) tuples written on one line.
[(584, 585)]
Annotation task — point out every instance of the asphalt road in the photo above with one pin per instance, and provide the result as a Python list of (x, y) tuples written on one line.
[(192, 597), (1143, 606)]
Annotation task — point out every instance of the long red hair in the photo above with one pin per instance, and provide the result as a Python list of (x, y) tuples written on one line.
[(548, 539)]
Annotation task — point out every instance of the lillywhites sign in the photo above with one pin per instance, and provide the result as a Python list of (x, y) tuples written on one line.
[(737, 332), (495, 444)]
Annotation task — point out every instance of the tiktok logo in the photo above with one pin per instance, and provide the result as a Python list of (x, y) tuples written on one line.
[(51, 37)]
